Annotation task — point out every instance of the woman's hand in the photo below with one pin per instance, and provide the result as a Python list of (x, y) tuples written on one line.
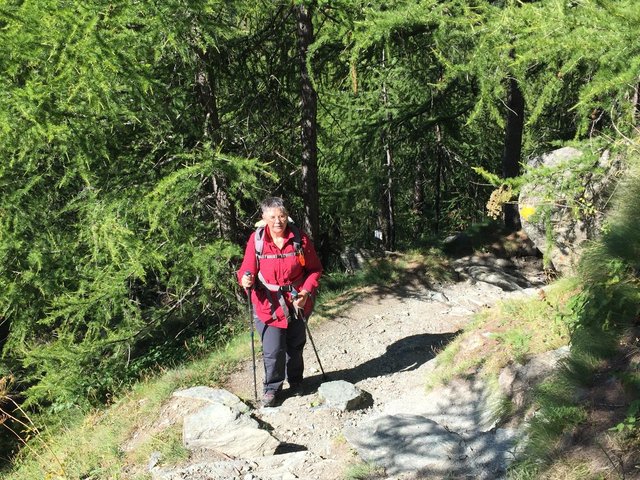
[(301, 299), (247, 280)]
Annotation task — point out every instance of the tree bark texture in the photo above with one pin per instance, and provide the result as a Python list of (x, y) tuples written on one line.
[(387, 201), (223, 211), (224, 215), (308, 96), (439, 174), (513, 147), (417, 203), (205, 82)]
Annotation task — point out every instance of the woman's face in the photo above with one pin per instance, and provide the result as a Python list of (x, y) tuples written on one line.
[(276, 220)]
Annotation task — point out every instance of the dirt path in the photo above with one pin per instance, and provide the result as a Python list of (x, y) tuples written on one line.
[(381, 341)]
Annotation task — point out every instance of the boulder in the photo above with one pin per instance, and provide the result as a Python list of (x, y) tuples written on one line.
[(342, 395), (417, 443), (355, 259), (516, 381), (571, 226), (224, 425), (489, 269)]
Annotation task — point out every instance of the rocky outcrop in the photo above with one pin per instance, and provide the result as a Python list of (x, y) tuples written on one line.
[(571, 201), (486, 268)]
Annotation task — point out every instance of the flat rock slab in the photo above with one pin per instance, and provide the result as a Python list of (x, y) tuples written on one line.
[(407, 443), (462, 406), (224, 425), (414, 443), (213, 395), (295, 465)]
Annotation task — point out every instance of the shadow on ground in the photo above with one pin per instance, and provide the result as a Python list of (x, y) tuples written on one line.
[(406, 354)]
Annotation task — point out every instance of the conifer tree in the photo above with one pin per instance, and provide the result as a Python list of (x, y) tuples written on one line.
[(308, 95)]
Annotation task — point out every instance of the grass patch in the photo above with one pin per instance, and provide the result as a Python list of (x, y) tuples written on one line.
[(511, 332), (90, 446), (365, 471), (168, 443)]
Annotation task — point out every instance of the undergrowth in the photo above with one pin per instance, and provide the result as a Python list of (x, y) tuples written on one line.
[(511, 332), (605, 339), (82, 446)]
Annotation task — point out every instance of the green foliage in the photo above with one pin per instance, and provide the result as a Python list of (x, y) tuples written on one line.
[(415, 52), (365, 471), (77, 445), (136, 137), (631, 421), (517, 341), (106, 204)]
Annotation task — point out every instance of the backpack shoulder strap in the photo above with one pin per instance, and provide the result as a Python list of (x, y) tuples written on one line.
[(259, 240), (297, 237)]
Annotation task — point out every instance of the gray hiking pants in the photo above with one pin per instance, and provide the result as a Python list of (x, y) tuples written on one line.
[(282, 353)]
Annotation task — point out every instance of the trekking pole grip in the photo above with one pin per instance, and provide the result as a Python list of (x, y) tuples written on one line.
[(247, 273)]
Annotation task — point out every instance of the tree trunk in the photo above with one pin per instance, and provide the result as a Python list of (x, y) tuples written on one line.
[(387, 200), (308, 123), (4, 332), (389, 228), (439, 173), (223, 211), (205, 84), (224, 215), (513, 148), (417, 203)]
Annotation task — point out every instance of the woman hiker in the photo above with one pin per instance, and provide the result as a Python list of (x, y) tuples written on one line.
[(281, 264)]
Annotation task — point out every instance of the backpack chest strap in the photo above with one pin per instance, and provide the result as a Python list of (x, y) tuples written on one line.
[(278, 255), (276, 291)]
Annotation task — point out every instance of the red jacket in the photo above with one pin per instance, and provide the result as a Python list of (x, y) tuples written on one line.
[(281, 271)]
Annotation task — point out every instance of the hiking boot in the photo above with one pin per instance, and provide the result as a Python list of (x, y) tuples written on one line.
[(295, 389), (269, 399)]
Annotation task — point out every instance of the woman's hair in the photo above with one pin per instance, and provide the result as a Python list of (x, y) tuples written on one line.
[(273, 202)]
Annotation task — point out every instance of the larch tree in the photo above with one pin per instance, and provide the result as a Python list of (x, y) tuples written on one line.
[(308, 123)]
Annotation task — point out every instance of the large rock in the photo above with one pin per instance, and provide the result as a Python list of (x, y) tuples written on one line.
[(286, 466), (516, 381), (213, 395), (489, 269), (571, 227), (407, 442), (343, 395), (224, 425)]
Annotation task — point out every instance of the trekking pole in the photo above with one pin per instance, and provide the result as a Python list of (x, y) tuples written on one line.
[(294, 294), (253, 350)]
